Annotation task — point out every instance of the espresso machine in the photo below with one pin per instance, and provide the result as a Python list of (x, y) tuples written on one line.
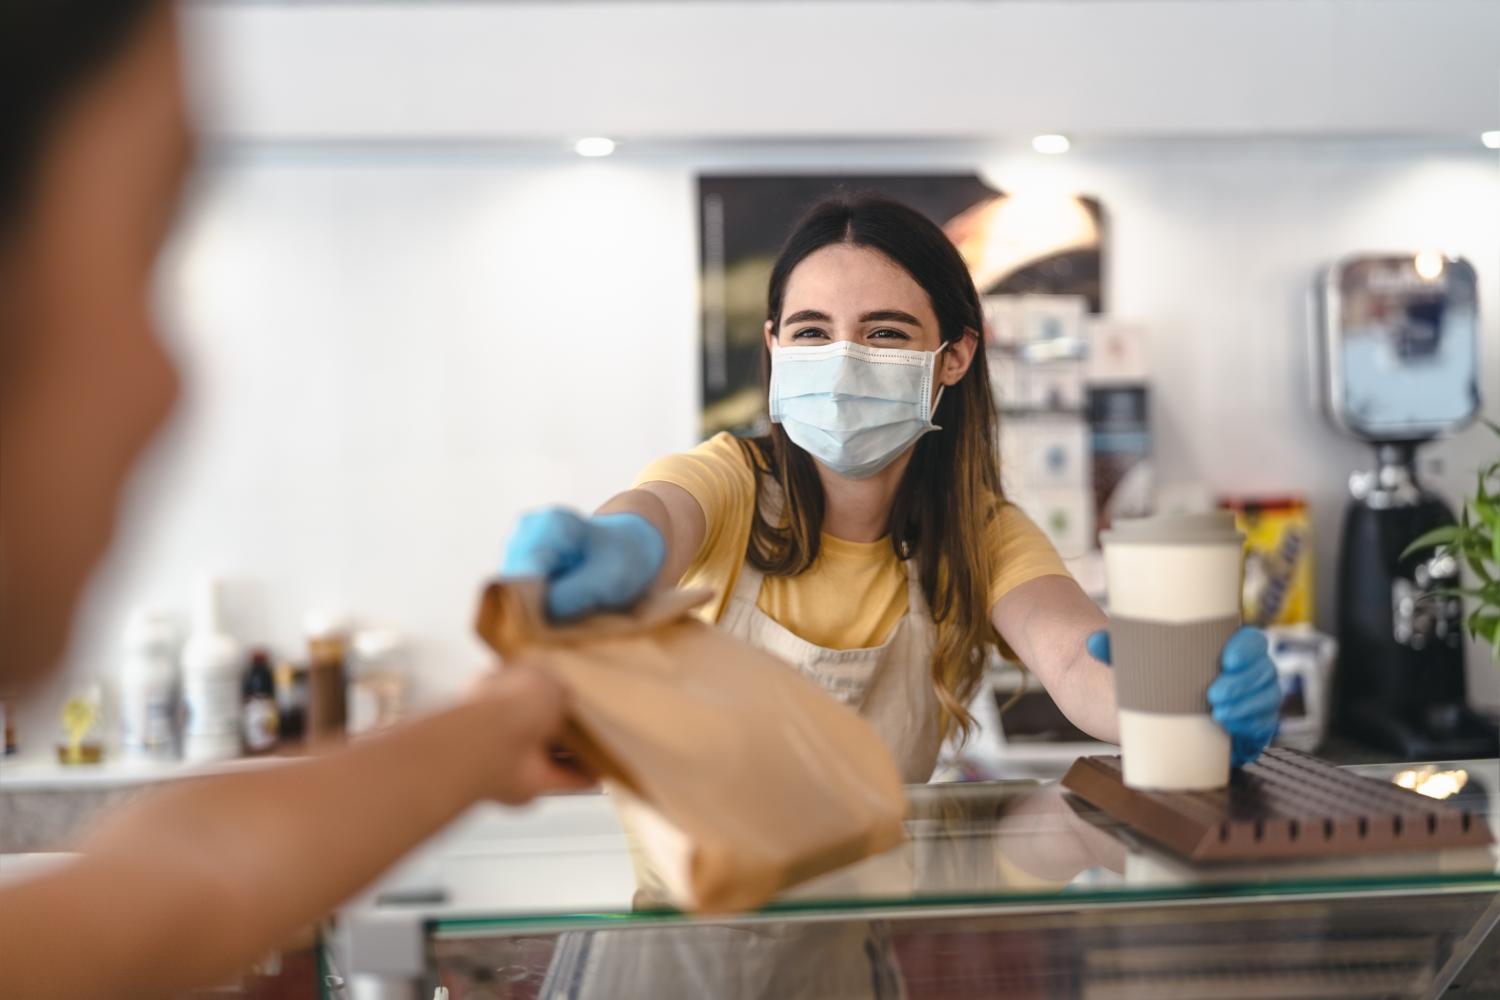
[(1398, 337)]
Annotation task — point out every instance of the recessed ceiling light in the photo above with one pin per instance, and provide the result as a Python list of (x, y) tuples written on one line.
[(1491, 140), (1051, 144), (594, 146)]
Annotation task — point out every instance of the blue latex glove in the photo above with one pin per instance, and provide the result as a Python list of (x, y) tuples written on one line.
[(1245, 699), (603, 563)]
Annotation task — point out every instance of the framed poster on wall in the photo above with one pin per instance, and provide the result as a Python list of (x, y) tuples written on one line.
[(1014, 244)]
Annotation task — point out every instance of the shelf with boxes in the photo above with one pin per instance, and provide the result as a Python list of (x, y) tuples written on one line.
[(1075, 439)]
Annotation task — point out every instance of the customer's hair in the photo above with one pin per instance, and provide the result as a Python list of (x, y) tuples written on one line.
[(48, 48), (951, 488)]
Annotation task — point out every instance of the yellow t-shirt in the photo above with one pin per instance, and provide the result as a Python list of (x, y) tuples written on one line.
[(855, 593)]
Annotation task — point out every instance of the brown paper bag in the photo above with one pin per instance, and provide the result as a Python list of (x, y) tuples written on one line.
[(739, 776)]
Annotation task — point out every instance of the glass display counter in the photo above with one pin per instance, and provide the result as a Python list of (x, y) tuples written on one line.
[(1018, 889)]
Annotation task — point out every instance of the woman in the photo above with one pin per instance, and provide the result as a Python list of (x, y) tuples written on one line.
[(866, 539), (211, 874)]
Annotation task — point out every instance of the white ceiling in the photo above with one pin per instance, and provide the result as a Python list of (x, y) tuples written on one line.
[(846, 68)]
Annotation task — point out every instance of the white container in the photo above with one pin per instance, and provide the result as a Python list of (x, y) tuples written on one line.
[(377, 682), (149, 682), (212, 664)]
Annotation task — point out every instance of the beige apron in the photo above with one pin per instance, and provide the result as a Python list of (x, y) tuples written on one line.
[(890, 684)]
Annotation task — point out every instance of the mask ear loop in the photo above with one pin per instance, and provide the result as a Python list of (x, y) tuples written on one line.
[(939, 397)]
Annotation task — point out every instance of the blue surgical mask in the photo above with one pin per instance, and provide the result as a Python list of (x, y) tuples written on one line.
[(853, 408)]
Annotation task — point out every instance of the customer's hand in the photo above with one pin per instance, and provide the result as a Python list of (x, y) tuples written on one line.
[(1245, 699), (528, 710), (603, 563)]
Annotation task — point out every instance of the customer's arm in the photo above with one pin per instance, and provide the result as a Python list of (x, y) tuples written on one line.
[(196, 881)]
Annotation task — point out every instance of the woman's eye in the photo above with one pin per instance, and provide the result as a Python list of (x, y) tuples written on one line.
[(886, 333), (809, 333)]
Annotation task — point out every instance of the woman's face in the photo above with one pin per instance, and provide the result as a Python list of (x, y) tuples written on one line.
[(84, 382), (852, 293)]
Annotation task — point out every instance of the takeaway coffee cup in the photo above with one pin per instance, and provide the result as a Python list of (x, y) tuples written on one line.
[(1174, 601)]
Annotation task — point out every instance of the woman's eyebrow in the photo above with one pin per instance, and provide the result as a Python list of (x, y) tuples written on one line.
[(890, 316), (808, 315)]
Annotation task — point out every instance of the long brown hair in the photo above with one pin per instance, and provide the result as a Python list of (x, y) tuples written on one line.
[(950, 489)]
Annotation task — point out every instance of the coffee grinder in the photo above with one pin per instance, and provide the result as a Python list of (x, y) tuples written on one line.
[(1398, 337)]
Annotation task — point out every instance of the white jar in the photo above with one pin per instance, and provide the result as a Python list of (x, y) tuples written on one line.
[(149, 686), (377, 682), (212, 664)]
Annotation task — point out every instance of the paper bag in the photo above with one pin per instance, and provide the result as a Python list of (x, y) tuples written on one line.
[(739, 776)]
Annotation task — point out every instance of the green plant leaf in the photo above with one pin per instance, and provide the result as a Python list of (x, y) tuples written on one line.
[(1488, 512), (1473, 592), (1488, 595), (1476, 563), (1446, 535), (1483, 621)]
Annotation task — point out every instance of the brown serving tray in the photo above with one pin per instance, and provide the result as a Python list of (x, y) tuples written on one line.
[(1285, 805)]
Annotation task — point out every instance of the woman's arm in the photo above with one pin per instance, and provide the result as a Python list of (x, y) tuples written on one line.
[(193, 883), (1047, 621), (673, 512)]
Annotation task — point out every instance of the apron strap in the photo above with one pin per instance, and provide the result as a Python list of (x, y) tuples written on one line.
[(747, 585), (914, 585), (768, 501), (918, 612)]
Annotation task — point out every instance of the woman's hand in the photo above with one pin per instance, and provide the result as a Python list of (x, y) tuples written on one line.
[(601, 563), (528, 710), (1245, 699)]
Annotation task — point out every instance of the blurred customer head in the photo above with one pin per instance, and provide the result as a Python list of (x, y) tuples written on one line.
[(94, 144)]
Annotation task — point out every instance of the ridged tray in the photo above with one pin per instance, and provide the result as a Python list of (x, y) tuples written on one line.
[(1285, 805)]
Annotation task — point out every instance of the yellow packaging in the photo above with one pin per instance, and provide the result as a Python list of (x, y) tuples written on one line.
[(1278, 559)]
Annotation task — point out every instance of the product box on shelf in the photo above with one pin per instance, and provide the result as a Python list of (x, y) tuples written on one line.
[(1006, 383), (1045, 451), (1054, 385), (1052, 327), (1065, 514), (1116, 351), (1002, 320)]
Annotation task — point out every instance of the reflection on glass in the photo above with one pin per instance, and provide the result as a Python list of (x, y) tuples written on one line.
[(1431, 782)]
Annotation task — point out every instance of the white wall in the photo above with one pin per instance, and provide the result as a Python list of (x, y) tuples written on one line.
[(406, 313), (391, 355)]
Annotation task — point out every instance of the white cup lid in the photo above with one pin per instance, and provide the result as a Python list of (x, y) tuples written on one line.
[(1215, 527)]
